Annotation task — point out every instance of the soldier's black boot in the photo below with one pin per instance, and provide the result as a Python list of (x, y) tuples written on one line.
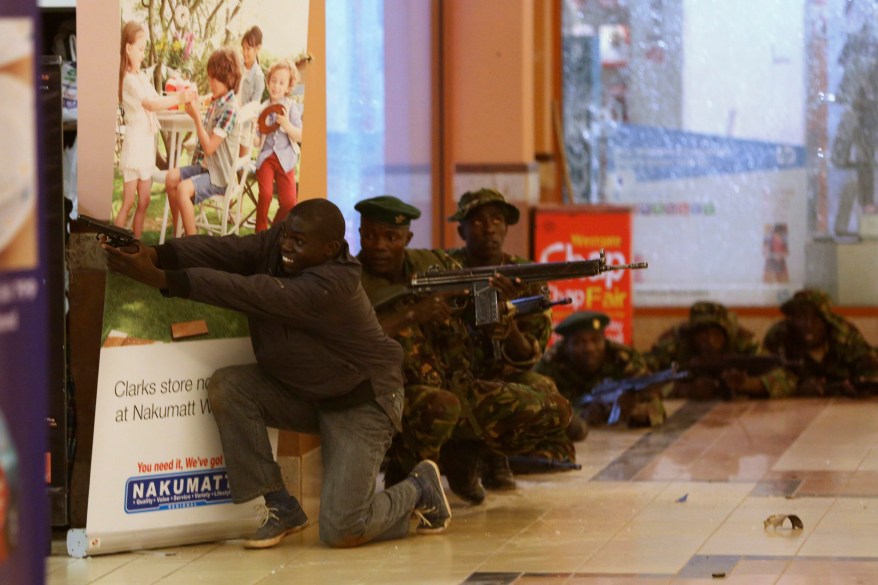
[(496, 474), (460, 462), (577, 430)]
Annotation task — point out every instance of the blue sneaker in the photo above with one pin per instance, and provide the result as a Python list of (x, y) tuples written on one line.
[(432, 508), (277, 522)]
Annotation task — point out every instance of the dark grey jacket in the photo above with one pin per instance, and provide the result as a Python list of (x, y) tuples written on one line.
[(316, 332)]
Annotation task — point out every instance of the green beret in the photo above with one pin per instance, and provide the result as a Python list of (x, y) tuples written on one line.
[(588, 320), (474, 199), (388, 209)]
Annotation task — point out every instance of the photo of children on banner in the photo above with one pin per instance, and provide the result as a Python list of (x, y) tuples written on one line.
[(280, 131), (18, 225), (174, 67), (173, 52), (140, 101)]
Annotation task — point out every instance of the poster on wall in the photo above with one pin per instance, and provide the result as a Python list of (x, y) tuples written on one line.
[(158, 476), (580, 232), (23, 309), (716, 218)]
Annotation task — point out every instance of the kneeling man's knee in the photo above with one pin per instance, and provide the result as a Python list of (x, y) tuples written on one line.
[(342, 536), (221, 389)]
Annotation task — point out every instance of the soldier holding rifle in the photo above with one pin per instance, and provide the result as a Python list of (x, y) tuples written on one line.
[(444, 396), (585, 357), (827, 355)]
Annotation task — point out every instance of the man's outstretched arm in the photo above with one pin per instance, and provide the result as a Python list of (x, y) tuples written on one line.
[(139, 265)]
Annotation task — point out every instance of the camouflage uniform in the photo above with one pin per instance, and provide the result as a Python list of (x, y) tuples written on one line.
[(676, 347), (849, 358), (620, 361), (529, 385), (508, 417)]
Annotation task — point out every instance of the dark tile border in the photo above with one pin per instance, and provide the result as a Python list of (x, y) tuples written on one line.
[(639, 455)]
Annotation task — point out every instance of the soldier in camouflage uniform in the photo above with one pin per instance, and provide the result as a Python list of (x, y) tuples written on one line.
[(484, 217), (444, 399), (826, 355), (583, 358), (712, 332)]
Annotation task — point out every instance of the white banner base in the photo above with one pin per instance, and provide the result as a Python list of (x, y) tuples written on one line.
[(81, 544)]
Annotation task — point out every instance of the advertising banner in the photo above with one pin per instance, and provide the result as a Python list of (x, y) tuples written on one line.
[(24, 532), (566, 234), (158, 475), (716, 218)]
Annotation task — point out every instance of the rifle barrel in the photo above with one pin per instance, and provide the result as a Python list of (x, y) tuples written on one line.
[(632, 266), (525, 272)]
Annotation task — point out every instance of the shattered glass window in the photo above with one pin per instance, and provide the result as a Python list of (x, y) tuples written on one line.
[(741, 134)]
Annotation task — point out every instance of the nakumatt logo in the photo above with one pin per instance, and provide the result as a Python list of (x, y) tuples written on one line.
[(564, 252)]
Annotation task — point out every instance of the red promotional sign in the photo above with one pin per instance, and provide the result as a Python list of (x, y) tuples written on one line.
[(580, 232)]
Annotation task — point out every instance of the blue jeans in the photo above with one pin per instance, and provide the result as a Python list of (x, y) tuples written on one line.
[(245, 400)]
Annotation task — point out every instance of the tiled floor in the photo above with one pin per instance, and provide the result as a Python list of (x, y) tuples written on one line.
[(684, 505)]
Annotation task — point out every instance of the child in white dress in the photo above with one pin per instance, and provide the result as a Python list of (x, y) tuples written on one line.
[(139, 101)]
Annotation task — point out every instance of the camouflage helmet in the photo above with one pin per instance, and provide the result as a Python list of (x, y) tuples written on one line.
[(809, 296), (707, 313), (471, 200)]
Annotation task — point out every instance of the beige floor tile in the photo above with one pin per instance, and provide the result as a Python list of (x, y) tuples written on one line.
[(643, 554), (583, 579), (847, 451), (832, 571), (870, 461), (536, 558), (744, 533)]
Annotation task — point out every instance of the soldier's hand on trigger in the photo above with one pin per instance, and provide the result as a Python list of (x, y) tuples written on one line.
[(434, 308), (507, 288)]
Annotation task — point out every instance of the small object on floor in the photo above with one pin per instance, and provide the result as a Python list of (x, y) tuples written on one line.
[(776, 521), (718, 575), (188, 329), (682, 499)]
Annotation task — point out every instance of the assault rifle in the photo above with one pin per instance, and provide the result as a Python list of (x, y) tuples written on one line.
[(485, 298), (609, 390), (116, 236)]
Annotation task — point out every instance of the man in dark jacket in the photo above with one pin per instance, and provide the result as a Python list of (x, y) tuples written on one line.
[(324, 366)]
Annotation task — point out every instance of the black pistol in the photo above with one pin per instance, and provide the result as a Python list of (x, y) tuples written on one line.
[(116, 236)]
